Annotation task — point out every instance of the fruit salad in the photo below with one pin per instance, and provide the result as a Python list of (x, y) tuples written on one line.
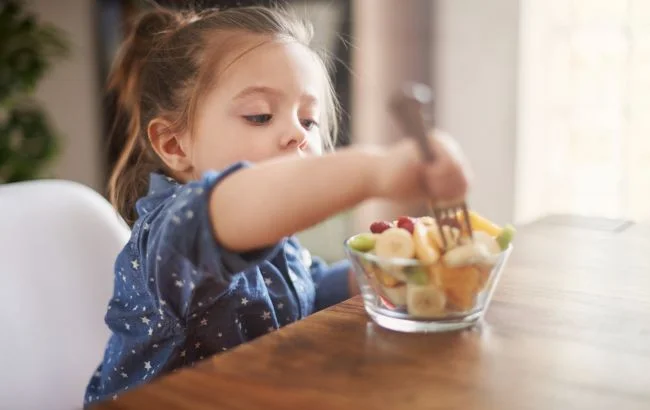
[(411, 267)]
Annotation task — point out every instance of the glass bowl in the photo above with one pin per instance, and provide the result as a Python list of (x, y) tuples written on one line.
[(408, 296)]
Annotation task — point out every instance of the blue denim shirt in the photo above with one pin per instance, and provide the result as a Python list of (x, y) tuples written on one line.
[(179, 296)]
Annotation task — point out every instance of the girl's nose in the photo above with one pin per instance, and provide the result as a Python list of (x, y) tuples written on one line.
[(293, 137)]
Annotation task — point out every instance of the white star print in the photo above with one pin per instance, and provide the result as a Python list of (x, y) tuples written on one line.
[(144, 308), (280, 305), (200, 304), (147, 366), (97, 374), (158, 258), (197, 345), (204, 322), (123, 278), (219, 334), (159, 325), (145, 226), (160, 311), (133, 351), (268, 281), (189, 214), (124, 375), (115, 397), (163, 303), (244, 301), (266, 315), (127, 326), (135, 264), (145, 320), (155, 346), (224, 349), (150, 331), (176, 219), (192, 285), (270, 329), (179, 283), (150, 279), (183, 353)]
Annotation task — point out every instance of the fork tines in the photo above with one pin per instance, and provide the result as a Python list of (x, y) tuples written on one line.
[(448, 216)]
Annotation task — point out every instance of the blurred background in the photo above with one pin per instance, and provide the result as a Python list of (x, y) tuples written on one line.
[(548, 98)]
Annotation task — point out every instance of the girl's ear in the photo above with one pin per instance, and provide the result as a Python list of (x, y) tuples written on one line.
[(169, 146)]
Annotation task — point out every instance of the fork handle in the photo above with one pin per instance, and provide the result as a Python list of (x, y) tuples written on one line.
[(407, 107)]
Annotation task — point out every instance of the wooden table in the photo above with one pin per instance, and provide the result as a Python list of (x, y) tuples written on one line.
[(569, 328)]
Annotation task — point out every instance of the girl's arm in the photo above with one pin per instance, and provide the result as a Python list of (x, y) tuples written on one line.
[(257, 206)]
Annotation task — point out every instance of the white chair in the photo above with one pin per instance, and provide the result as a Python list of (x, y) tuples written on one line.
[(58, 243)]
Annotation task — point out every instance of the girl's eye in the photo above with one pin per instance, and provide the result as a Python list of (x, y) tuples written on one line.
[(309, 124), (259, 119)]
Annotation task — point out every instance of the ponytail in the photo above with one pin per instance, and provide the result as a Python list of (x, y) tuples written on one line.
[(128, 180)]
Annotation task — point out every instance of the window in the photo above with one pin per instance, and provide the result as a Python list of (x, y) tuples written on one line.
[(584, 130)]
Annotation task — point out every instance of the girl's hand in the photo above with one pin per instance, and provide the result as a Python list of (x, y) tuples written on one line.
[(404, 175)]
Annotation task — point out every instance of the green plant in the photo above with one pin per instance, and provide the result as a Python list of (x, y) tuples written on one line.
[(27, 49)]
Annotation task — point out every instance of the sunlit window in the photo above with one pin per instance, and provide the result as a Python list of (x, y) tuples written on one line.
[(585, 101)]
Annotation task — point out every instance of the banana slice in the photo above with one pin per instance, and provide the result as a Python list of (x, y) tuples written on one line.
[(395, 243), (452, 236), (425, 301), (426, 249), (465, 255), (488, 241)]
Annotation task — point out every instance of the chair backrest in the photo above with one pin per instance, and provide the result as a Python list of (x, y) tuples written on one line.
[(58, 243)]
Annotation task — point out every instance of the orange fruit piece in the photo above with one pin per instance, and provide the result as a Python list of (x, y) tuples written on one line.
[(461, 285), (483, 276)]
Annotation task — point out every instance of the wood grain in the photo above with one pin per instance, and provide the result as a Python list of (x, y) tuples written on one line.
[(569, 327)]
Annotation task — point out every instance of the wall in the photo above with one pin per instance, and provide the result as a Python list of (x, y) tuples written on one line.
[(70, 92), (392, 45), (475, 79)]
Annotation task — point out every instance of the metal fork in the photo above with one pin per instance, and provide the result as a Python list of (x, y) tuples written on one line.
[(407, 108)]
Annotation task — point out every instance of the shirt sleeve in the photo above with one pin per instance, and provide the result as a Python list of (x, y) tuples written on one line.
[(182, 253), (331, 282)]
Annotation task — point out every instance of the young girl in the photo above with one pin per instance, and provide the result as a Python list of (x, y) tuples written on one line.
[(229, 114)]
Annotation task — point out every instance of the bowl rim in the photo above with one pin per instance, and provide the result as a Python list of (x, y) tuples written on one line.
[(402, 261)]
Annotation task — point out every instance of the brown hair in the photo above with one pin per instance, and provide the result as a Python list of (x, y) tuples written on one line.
[(161, 70)]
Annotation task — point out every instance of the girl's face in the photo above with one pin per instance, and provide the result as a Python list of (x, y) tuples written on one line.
[(267, 102)]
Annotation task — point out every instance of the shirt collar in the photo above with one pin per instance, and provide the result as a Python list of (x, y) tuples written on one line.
[(159, 183)]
